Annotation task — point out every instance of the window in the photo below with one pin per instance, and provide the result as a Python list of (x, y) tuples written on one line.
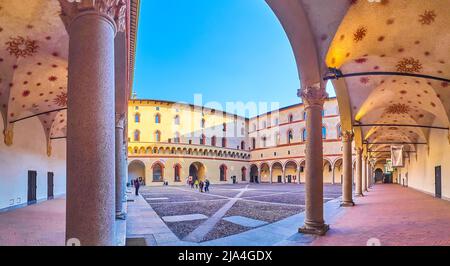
[(224, 142), (177, 120), (290, 137), (277, 138), (137, 118), (224, 127), (157, 136), (264, 141), (304, 115), (242, 145), (157, 118), (323, 113), (203, 140), (176, 138), (213, 141), (203, 123), (223, 172), (324, 132), (253, 143), (243, 172), (157, 108), (339, 131), (137, 135), (291, 118), (304, 134), (157, 172), (177, 173)]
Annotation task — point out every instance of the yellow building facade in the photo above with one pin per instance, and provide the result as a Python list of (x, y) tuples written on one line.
[(168, 142)]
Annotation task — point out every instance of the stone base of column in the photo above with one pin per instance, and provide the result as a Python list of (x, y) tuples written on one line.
[(121, 216), (314, 229), (347, 204), (359, 195)]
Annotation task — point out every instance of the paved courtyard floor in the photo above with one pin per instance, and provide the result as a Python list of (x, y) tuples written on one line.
[(254, 215)]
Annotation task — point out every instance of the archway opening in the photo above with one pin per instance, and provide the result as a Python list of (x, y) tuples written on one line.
[(244, 174), (337, 171), (197, 171), (136, 170), (254, 174), (157, 172), (277, 173), (379, 176), (291, 172), (265, 173)]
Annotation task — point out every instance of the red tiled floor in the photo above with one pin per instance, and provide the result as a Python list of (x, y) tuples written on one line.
[(394, 215), (36, 225)]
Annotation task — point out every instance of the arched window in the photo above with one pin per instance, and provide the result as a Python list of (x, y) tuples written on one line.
[(177, 120), (264, 141), (224, 127), (224, 142), (137, 135), (158, 173), (223, 172), (304, 115), (324, 132), (339, 131), (177, 173), (203, 140), (157, 136), (291, 118), (277, 138), (323, 112), (157, 118), (203, 123), (213, 141), (253, 143), (242, 145), (176, 138), (290, 137), (137, 118), (304, 134), (243, 173)]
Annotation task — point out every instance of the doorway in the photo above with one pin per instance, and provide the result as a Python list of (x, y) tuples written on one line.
[(438, 182), (32, 187), (50, 185)]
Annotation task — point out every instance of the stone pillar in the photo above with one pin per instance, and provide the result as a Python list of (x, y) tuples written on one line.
[(365, 175), (298, 175), (333, 181), (371, 180), (121, 169), (270, 174), (90, 212), (313, 99), (359, 177), (283, 176), (347, 195)]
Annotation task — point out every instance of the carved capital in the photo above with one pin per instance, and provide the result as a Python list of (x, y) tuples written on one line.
[(314, 95), (113, 9), (358, 151), (120, 121), (8, 134), (347, 136)]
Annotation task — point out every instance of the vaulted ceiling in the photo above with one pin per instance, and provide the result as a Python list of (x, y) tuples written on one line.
[(33, 63)]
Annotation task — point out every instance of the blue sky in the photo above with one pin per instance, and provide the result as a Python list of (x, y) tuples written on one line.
[(226, 50)]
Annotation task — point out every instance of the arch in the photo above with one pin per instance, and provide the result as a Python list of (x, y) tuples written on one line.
[(243, 174), (157, 171), (379, 175), (223, 172), (158, 118), (136, 170), (291, 171), (254, 173), (264, 172), (137, 136), (157, 136), (197, 171), (137, 117), (327, 171), (337, 170), (277, 172), (177, 172)]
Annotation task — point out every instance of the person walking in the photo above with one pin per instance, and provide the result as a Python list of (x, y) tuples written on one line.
[(206, 185), (136, 186), (196, 183), (200, 185)]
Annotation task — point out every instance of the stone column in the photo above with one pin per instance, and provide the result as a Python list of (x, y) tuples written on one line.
[(347, 195), (298, 175), (313, 99), (120, 167), (270, 174), (90, 212), (283, 176), (359, 178), (370, 177), (333, 181), (365, 175)]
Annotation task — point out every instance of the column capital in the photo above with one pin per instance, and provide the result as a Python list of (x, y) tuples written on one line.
[(314, 95), (120, 120), (347, 136), (115, 10), (358, 151), (8, 134)]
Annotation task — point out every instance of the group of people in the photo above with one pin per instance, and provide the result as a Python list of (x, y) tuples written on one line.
[(202, 186)]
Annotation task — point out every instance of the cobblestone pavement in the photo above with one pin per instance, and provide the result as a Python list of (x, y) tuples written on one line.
[(265, 202), (394, 216)]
